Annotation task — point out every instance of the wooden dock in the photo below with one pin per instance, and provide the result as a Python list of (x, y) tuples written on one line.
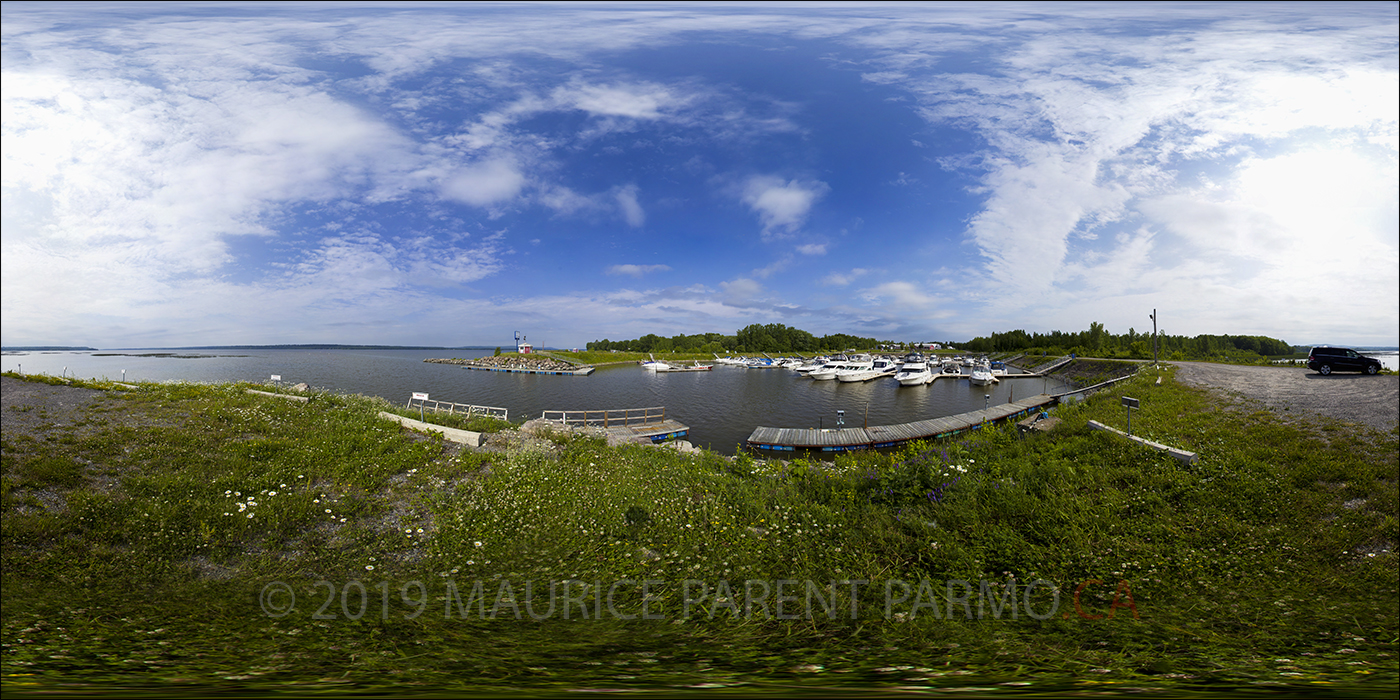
[(842, 439), (650, 423)]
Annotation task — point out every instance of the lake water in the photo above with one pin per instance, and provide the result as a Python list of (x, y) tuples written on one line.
[(722, 407)]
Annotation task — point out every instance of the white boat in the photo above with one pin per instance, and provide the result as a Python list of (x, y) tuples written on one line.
[(654, 364), (914, 371), (866, 370), (810, 366), (829, 369), (696, 367), (982, 374)]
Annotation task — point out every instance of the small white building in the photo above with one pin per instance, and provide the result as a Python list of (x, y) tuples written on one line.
[(524, 348)]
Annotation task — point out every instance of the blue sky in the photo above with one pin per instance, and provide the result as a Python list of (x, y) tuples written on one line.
[(434, 174)]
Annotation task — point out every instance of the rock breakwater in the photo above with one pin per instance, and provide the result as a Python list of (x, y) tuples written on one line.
[(535, 363)]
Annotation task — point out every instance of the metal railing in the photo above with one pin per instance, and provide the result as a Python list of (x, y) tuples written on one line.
[(608, 418), (459, 408)]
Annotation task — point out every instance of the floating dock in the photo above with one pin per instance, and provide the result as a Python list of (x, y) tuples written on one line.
[(843, 439), (580, 372), (650, 423)]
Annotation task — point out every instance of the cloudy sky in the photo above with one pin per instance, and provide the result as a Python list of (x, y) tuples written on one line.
[(202, 174)]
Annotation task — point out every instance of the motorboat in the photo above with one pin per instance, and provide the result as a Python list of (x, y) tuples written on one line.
[(695, 367), (810, 366), (914, 371), (829, 369), (654, 364), (866, 370), (982, 374)]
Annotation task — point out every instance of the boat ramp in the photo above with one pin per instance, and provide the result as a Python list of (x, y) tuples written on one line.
[(843, 439)]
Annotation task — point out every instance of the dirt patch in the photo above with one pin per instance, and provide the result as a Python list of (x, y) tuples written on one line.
[(1088, 372), (37, 409), (1357, 398)]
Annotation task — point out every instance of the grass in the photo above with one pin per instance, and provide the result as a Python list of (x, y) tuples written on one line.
[(148, 548)]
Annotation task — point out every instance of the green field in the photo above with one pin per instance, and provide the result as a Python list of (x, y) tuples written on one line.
[(186, 538)]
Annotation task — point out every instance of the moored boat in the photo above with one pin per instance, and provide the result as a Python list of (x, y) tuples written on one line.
[(982, 374), (914, 371)]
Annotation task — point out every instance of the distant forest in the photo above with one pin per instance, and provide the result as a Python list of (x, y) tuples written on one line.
[(1095, 342), (771, 337), (1098, 342)]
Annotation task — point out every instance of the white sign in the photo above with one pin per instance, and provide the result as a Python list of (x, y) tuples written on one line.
[(276, 377), (420, 396)]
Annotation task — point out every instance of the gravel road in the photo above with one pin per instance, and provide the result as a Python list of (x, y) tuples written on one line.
[(1359, 398)]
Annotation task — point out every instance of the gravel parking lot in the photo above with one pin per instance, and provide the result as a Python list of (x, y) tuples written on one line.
[(1359, 398)]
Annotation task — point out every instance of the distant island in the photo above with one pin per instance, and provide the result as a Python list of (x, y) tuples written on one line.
[(31, 348), (320, 346), (302, 346)]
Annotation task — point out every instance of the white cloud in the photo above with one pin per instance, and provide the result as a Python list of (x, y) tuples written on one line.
[(812, 249), (782, 205), (637, 270), (485, 183), (631, 211), (635, 101), (742, 292), (841, 279)]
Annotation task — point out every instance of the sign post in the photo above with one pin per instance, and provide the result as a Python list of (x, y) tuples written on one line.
[(1130, 403), (419, 396)]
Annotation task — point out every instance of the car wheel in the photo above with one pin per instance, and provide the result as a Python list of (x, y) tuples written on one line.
[(1324, 370), (1372, 369)]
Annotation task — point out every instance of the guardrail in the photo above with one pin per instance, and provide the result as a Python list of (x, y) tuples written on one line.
[(609, 418), (451, 408)]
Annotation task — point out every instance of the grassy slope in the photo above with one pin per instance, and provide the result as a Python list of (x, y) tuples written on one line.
[(130, 557)]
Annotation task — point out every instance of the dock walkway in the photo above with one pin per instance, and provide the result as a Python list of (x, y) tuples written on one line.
[(650, 423), (842, 439)]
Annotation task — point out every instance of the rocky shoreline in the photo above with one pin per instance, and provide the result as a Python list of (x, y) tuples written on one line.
[(538, 363)]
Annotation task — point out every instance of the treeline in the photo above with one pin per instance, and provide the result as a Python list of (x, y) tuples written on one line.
[(770, 337), (1098, 342)]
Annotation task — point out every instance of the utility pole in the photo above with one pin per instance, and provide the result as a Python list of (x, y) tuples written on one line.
[(1154, 337)]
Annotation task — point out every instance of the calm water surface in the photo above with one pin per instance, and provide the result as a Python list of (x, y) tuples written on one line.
[(722, 407)]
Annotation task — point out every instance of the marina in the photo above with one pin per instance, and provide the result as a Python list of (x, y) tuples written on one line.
[(718, 409)]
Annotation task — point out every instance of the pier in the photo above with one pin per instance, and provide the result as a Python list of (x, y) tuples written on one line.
[(843, 439), (650, 423)]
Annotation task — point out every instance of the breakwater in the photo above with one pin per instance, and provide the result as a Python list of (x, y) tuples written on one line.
[(528, 364)]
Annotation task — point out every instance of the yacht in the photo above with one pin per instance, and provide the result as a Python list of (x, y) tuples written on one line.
[(982, 374), (654, 364), (865, 370), (914, 371), (829, 369)]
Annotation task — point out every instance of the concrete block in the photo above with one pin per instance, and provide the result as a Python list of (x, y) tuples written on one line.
[(1177, 454)]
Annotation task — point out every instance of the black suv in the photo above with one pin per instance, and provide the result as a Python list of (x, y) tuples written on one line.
[(1325, 360)]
